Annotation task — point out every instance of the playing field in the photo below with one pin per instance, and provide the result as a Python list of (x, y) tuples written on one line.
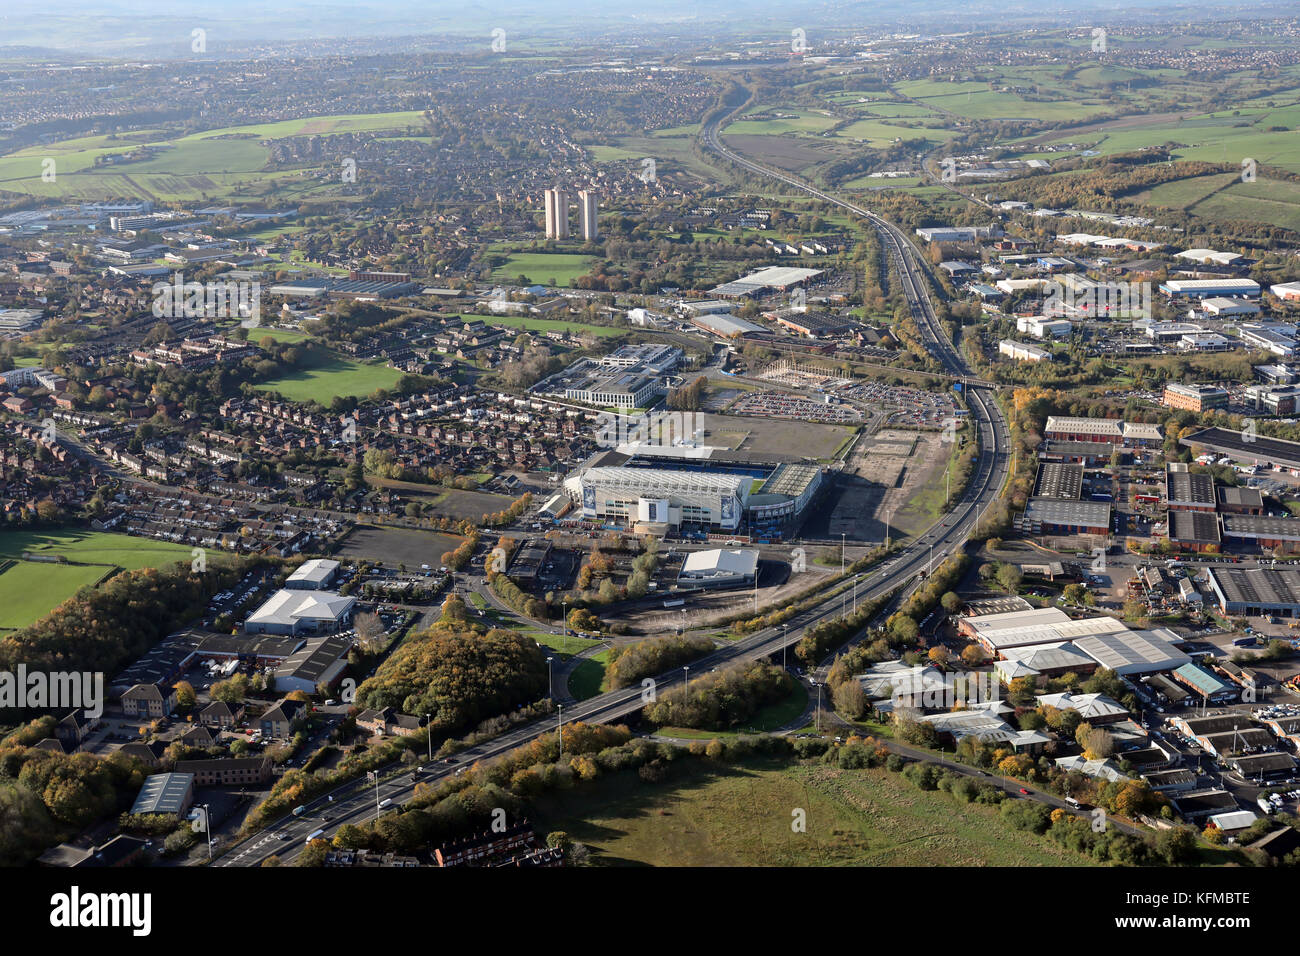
[(326, 374), (94, 547), (31, 589), (711, 815), (557, 268)]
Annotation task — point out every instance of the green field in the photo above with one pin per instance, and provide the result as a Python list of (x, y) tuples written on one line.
[(712, 815), (326, 374), (30, 589), (543, 268), (587, 677), (94, 547), (219, 162)]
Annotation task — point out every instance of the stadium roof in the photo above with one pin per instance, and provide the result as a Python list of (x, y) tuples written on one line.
[(651, 480)]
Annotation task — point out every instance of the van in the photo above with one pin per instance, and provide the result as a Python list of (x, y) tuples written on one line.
[(387, 801), (299, 811), (1071, 802)]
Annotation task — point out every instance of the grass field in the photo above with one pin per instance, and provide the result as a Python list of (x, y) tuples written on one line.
[(325, 374), (94, 547), (30, 589), (544, 268), (213, 163), (587, 677), (712, 815)]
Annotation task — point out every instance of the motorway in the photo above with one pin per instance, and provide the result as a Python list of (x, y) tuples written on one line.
[(355, 802)]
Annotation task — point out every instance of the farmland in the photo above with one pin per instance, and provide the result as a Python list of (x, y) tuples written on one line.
[(222, 162)]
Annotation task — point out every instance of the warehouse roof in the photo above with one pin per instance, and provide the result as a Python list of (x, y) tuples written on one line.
[(1056, 511), (164, 793), (720, 561), (1134, 652), (288, 607), (1263, 587)]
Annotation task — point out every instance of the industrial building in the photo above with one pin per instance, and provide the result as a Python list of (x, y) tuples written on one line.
[(771, 279), (168, 794), (1059, 481), (719, 568), (1023, 351), (320, 661), (292, 613), (1248, 592), (1060, 428), (1209, 288), (1066, 517), (1187, 491), (315, 575)]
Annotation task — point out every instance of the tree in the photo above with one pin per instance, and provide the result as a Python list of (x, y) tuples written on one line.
[(186, 698), (1009, 578), (939, 655), (951, 602), (972, 655), (850, 699)]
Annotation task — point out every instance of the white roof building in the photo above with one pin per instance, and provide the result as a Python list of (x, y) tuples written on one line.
[(1134, 652), (313, 575), (301, 612), (718, 567), (1091, 707)]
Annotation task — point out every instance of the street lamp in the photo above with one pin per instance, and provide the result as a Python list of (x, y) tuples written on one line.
[(550, 682), (374, 775), (785, 629), (428, 734), (686, 682), (818, 685), (559, 727), (841, 552)]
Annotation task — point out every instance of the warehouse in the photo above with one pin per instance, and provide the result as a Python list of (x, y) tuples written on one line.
[(1134, 652), (319, 662), (1255, 449), (1195, 529), (813, 324), (301, 612), (1236, 500), (314, 575), (771, 279), (1055, 516), (1262, 531), (1185, 491), (1209, 288), (1059, 481), (1250, 592), (1060, 428), (719, 568), (724, 325), (168, 794), (997, 633)]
